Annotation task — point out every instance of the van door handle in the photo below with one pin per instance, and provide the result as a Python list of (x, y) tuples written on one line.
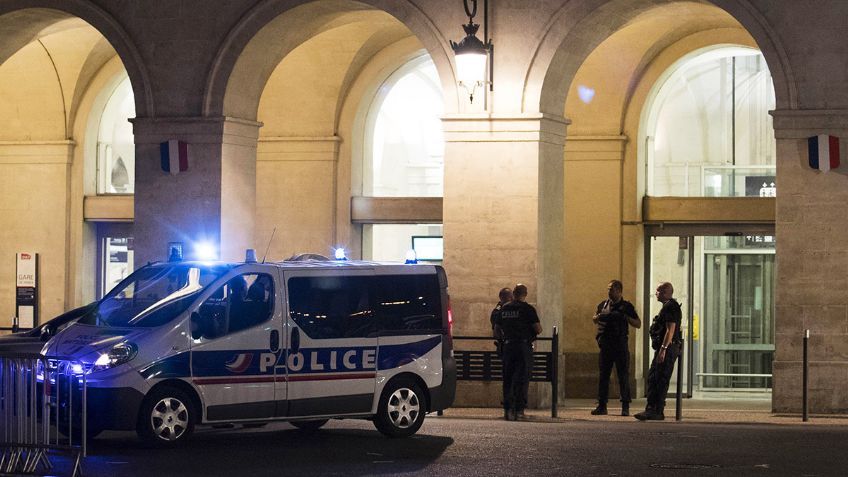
[(275, 341), (295, 341)]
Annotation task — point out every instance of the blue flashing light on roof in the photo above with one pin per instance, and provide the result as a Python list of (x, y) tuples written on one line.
[(175, 251), (205, 251), (411, 257), (340, 254)]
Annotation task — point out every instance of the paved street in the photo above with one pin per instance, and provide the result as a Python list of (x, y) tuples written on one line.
[(471, 447)]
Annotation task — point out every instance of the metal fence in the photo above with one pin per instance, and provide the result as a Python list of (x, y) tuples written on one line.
[(42, 412)]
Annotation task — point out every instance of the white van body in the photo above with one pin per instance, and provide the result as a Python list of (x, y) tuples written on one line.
[(185, 343)]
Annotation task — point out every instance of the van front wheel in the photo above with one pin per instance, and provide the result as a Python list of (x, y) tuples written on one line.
[(167, 417), (401, 410)]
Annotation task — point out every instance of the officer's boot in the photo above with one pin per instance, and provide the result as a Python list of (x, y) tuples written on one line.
[(643, 415), (601, 410), (625, 409), (656, 415)]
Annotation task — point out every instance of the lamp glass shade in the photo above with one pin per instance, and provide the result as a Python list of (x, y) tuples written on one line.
[(471, 68)]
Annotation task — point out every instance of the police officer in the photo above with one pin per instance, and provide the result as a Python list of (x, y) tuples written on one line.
[(517, 326), (504, 297), (614, 317), (665, 339)]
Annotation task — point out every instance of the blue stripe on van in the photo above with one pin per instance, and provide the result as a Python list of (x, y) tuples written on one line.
[(245, 363), (393, 356), (177, 366)]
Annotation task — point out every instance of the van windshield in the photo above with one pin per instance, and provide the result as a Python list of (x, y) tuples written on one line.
[(153, 295)]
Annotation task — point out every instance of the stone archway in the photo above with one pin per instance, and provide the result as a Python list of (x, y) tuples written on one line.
[(580, 26), (269, 31), (52, 54), (27, 17), (574, 33)]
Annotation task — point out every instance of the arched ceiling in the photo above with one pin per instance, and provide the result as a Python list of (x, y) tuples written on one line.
[(48, 59), (304, 94), (614, 68), (319, 30), (45, 78), (580, 26), (17, 29)]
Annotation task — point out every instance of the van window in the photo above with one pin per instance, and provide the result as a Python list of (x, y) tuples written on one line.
[(408, 302), (153, 295), (244, 301), (332, 307)]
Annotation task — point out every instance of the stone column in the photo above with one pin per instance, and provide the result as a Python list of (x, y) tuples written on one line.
[(812, 265), (34, 204), (503, 218), (296, 193), (594, 201), (213, 201)]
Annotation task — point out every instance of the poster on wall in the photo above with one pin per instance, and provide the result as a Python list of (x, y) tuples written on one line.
[(26, 297)]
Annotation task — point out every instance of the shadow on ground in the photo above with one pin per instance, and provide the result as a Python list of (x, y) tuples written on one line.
[(276, 450)]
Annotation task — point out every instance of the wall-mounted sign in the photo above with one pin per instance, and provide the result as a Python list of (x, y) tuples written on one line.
[(26, 297)]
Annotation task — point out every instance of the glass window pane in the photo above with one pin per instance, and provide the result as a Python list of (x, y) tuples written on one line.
[(408, 302), (117, 261), (332, 306), (709, 131), (391, 242), (115, 143), (243, 302), (405, 148)]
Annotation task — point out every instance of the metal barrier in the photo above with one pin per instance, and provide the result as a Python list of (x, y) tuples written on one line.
[(37, 404), (477, 365)]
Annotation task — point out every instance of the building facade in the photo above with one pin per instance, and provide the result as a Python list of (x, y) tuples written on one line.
[(646, 140)]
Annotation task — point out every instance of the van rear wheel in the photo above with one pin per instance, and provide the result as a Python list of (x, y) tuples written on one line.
[(401, 410), (309, 426), (167, 417)]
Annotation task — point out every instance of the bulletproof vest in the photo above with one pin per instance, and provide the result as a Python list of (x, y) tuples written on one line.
[(615, 324), (515, 321)]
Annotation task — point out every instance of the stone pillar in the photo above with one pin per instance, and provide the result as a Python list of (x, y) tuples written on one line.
[(34, 204), (503, 219), (213, 201), (296, 193), (593, 200), (812, 265)]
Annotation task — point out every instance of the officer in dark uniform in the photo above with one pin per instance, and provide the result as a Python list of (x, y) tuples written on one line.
[(614, 317), (666, 339), (517, 326), (504, 297)]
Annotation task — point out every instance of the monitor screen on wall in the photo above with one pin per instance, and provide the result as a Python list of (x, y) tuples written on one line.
[(428, 248)]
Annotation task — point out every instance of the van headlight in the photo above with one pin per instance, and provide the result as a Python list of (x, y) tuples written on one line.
[(119, 354)]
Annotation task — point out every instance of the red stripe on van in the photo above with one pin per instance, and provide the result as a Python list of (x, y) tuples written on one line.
[(270, 379), (332, 377), (232, 380)]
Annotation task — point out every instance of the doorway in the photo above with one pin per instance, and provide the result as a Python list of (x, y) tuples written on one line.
[(114, 255), (724, 281)]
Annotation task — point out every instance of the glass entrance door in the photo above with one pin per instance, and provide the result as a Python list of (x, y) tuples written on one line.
[(671, 260), (738, 329), (725, 284)]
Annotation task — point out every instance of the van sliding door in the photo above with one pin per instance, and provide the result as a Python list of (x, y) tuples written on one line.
[(331, 343)]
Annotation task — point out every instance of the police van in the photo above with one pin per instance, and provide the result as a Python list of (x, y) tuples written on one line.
[(177, 344)]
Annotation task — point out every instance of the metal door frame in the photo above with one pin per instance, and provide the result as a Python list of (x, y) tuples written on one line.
[(689, 231)]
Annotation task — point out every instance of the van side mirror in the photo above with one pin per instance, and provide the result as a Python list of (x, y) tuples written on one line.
[(195, 325), (47, 332)]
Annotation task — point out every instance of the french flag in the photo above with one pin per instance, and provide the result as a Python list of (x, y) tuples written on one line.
[(825, 153), (174, 156)]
